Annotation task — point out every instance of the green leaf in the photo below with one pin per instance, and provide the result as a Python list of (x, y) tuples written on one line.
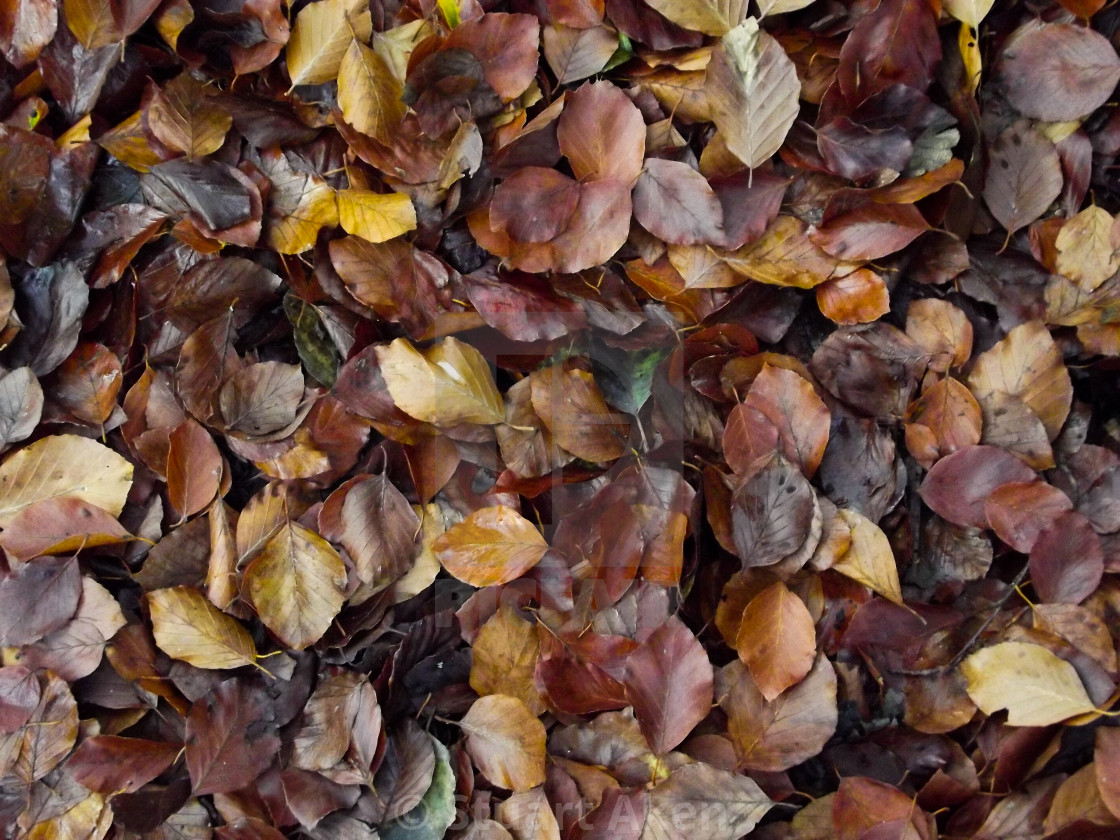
[(316, 350), (435, 812)]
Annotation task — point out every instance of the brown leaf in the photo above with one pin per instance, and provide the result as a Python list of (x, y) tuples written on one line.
[(571, 407), (752, 91), (772, 513), (376, 525), (194, 469), (777, 640), (262, 398), (504, 657), (791, 405), (856, 298), (675, 202), (111, 764), (506, 742), (1018, 513), (1027, 364), (602, 134), (944, 419), (185, 116), (776, 735), (669, 682), (1024, 176), (230, 738)]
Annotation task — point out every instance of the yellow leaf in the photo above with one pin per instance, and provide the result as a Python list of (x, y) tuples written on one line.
[(188, 627), (970, 55), (783, 256), (1026, 364), (1089, 248), (506, 741), (1036, 687), (297, 232), (869, 559), (492, 546), (375, 217), (63, 465), (450, 9), (778, 7), (320, 37), (504, 658), (369, 95), (297, 585), (969, 12), (450, 383)]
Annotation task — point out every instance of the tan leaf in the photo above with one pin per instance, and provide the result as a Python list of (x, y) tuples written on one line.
[(1037, 687), (63, 465), (942, 330), (944, 419), (320, 37), (753, 92), (262, 398), (369, 94), (188, 627), (375, 217), (869, 559), (297, 585), (777, 639), (505, 653), (712, 17), (573, 410), (450, 383), (492, 546), (1027, 364), (1089, 248), (506, 742)]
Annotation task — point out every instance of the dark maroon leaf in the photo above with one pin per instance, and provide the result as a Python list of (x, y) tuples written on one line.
[(230, 737), (38, 597)]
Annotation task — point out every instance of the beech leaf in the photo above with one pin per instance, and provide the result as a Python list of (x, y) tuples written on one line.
[(506, 742), (188, 627), (1037, 687), (492, 546)]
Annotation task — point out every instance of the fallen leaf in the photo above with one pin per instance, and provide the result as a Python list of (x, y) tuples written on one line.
[(492, 546), (506, 742), (1035, 686), (75, 466), (188, 627), (448, 384), (777, 640), (320, 37), (869, 559)]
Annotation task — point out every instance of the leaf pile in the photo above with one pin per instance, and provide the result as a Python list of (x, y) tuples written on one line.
[(571, 419)]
